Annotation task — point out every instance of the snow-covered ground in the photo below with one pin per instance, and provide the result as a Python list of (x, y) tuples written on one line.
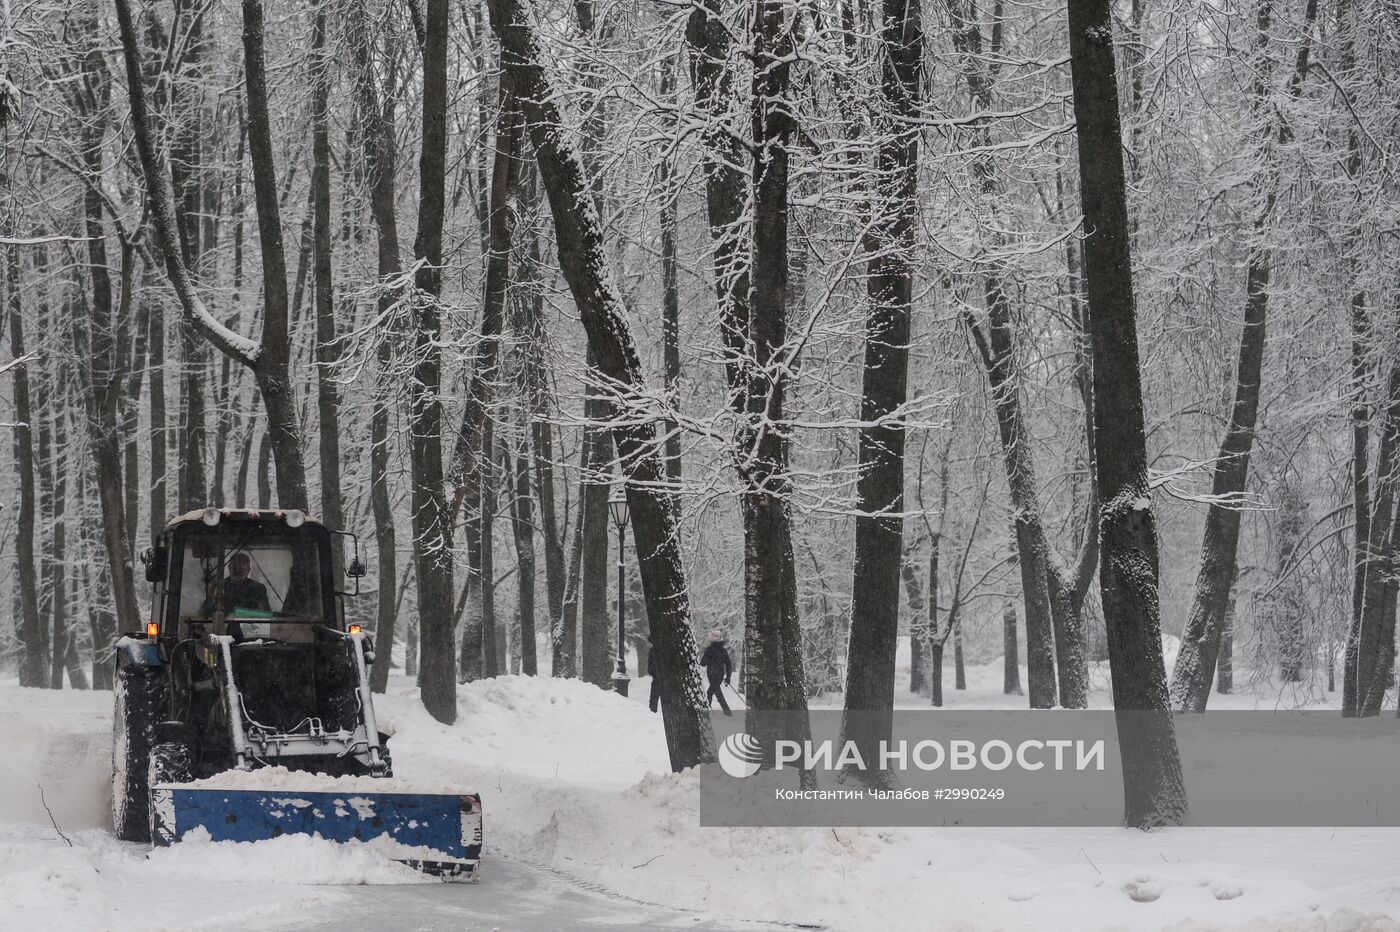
[(575, 780)]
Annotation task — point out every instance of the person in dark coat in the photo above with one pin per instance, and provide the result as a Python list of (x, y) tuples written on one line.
[(718, 668), (655, 699)]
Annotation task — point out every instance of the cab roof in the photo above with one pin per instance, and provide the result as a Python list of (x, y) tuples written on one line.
[(269, 515)]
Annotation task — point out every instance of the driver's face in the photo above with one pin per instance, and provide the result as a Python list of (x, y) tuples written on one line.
[(239, 566)]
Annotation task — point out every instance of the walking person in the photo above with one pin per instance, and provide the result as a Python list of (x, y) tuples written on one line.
[(718, 668)]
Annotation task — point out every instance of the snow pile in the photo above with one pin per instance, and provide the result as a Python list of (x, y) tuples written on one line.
[(576, 778), (299, 781), (294, 859)]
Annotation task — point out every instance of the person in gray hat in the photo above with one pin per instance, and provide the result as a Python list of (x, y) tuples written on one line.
[(718, 667)]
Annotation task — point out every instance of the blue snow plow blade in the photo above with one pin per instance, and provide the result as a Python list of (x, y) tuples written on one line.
[(449, 826)]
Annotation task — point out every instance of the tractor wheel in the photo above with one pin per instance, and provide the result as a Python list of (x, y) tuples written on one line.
[(139, 695), (171, 762)]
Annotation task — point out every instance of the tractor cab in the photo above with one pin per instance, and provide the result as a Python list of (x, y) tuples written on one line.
[(247, 623), (263, 575)]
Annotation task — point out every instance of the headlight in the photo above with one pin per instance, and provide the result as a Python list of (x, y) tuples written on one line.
[(295, 518), (210, 517)]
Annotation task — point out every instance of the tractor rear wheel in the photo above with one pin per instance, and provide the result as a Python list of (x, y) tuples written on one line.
[(139, 695)]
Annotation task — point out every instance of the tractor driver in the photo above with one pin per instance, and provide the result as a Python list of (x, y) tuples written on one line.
[(239, 590)]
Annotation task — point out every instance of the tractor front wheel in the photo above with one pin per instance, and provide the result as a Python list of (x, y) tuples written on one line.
[(171, 762), (138, 705)]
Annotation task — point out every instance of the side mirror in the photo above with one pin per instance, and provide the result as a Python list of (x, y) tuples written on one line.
[(153, 559), (356, 569)]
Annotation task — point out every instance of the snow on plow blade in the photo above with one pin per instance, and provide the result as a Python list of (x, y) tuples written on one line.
[(437, 833)]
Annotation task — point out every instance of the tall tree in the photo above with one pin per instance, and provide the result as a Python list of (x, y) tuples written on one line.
[(327, 340), (376, 114), (32, 636), (1200, 642), (269, 358), (432, 524), (879, 542), (472, 456), (1154, 793), (588, 274), (99, 339), (752, 312)]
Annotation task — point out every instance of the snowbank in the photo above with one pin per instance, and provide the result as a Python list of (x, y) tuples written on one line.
[(576, 779)]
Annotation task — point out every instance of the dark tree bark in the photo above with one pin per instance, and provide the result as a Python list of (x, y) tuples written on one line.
[(271, 367), (432, 524), (1361, 372), (1200, 642), (1011, 660), (1225, 668), (959, 664), (1049, 633), (327, 340), (99, 347), (596, 634), (522, 523), (134, 366), (670, 295), (936, 642), (773, 674), (377, 134), (879, 540), (1128, 570), (186, 169), (753, 329), (542, 446), (53, 486), (918, 630), (471, 470), (269, 358), (654, 514), (159, 494)]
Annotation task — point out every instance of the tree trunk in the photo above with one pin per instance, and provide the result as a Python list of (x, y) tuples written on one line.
[(753, 329), (59, 598), (773, 675), (327, 340), (542, 444), (918, 633), (935, 669), (670, 294), (1200, 642), (1225, 667), (595, 628), (1011, 660), (134, 365), (959, 666), (472, 458), (1128, 570), (522, 522), (587, 271), (432, 525), (377, 133), (100, 349), (997, 349), (879, 540), (186, 167), (28, 628), (271, 368), (564, 637), (158, 490)]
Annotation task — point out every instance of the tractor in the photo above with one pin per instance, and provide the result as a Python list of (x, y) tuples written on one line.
[(248, 663)]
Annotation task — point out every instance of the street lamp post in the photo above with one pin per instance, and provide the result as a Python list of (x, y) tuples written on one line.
[(617, 504)]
